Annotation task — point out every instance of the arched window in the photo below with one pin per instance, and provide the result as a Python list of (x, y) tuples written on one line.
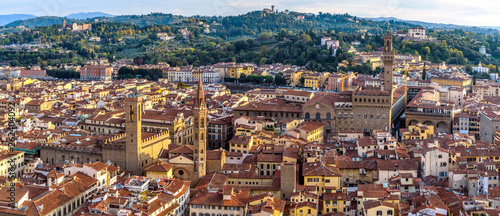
[(63, 158), (389, 212), (328, 116), (318, 116), (379, 212), (308, 116)]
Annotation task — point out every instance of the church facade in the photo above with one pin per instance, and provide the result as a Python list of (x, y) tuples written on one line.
[(190, 161)]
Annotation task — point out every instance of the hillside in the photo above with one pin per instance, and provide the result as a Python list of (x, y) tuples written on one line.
[(259, 22), (40, 21), (483, 29), (6, 19), (86, 15)]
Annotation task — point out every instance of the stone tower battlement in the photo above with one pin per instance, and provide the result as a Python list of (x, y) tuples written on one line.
[(133, 98)]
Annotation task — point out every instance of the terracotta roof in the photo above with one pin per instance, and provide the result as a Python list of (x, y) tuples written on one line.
[(237, 199), (407, 164), (159, 166), (318, 169)]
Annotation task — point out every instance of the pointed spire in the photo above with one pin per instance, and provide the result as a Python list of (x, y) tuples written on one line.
[(200, 96)]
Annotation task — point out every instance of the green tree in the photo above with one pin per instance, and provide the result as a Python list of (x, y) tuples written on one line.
[(14, 63), (280, 79), (263, 61), (368, 48), (263, 37), (181, 85), (424, 73), (468, 69)]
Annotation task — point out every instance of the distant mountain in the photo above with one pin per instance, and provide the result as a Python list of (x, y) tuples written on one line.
[(41, 21), (86, 15), (148, 19), (6, 19), (491, 27), (482, 29)]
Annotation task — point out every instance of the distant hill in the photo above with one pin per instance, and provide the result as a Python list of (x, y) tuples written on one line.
[(6, 19), (235, 25), (492, 27), (40, 21), (142, 20), (148, 19), (86, 15), (482, 29)]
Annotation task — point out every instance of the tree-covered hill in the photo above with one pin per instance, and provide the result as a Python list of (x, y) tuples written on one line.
[(41, 21), (259, 37), (148, 19)]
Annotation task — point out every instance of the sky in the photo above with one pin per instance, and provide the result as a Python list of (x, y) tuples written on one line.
[(462, 12)]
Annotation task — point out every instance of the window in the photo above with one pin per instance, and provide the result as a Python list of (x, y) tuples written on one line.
[(328, 116), (379, 212), (389, 212), (318, 116)]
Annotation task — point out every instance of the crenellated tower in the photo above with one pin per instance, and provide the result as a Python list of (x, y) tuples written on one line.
[(388, 60), (133, 112)]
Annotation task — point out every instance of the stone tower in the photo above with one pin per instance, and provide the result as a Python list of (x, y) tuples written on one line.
[(133, 143), (388, 60), (200, 134), (288, 179)]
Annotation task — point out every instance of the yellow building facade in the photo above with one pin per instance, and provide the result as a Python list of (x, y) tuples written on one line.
[(236, 71), (465, 83), (419, 131)]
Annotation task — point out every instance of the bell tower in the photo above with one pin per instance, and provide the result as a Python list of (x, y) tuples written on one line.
[(200, 134), (133, 138), (388, 60)]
